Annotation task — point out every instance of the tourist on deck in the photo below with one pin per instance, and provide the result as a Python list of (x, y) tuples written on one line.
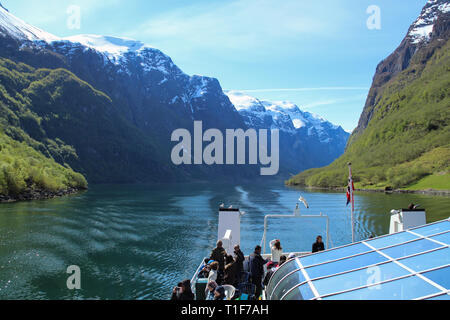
[(282, 260), (183, 291), (257, 270), (277, 251), (218, 254), (230, 275), (210, 288), (205, 268), (214, 270), (318, 245), (270, 271), (219, 293), (239, 258)]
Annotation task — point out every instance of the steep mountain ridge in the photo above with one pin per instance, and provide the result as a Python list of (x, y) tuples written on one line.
[(403, 141), (419, 35)]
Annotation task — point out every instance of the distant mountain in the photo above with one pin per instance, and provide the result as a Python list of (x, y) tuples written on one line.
[(306, 140), (402, 140), (114, 102)]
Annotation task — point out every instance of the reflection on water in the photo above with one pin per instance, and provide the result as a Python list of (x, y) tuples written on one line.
[(138, 241)]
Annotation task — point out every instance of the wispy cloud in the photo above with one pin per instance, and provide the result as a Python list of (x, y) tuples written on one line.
[(335, 101), (304, 89), (55, 11), (239, 24)]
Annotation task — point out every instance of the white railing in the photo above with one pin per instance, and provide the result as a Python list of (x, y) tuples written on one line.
[(297, 215)]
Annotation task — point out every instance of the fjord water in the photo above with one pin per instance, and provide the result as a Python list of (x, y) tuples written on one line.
[(138, 241)]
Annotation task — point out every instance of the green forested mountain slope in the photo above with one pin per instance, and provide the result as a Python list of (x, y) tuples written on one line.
[(27, 168), (26, 173), (52, 122), (406, 143)]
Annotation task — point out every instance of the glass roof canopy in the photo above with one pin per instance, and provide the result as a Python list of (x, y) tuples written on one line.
[(413, 264)]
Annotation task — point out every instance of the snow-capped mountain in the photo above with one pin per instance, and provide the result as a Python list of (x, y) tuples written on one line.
[(282, 115), (422, 28), (157, 97), (20, 29), (303, 135)]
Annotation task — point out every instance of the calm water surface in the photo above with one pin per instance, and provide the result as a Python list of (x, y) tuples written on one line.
[(138, 241)]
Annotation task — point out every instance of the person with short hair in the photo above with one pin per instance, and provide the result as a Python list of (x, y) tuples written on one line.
[(318, 245), (239, 258), (257, 270), (230, 271), (219, 293), (218, 254)]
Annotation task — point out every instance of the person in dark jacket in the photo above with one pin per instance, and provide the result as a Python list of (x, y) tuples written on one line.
[(283, 259), (183, 291), (270, 271), (257, 270), (218, 254), (239, 259), (230, 271), (318, 245), (219, 293)]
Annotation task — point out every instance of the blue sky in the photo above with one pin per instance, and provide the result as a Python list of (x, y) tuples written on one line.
[(318, 54)]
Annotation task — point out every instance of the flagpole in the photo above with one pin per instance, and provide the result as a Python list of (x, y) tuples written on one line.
[(350, 182)]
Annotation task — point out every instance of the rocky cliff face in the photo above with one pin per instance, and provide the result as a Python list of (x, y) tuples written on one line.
[(431, 24), (402, 141)]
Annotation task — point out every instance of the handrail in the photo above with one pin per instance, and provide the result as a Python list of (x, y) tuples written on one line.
[(195, 277), (295, 215)]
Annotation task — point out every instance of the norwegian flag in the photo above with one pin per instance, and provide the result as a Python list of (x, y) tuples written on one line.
[(350, 197), (350, 189)]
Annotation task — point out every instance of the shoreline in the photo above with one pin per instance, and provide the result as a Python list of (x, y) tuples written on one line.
[(33, 195), (343, 189)]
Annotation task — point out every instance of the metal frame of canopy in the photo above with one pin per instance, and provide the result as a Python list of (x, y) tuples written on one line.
[(297, 215)]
